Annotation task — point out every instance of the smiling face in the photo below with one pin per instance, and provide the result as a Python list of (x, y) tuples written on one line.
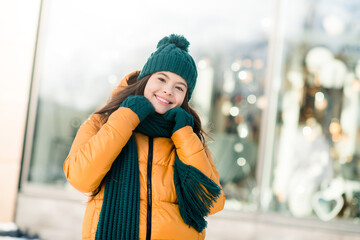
[(165, 90)]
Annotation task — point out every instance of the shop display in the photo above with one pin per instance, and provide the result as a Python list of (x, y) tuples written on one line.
[(317, 140), (316, 162), (328, 203)]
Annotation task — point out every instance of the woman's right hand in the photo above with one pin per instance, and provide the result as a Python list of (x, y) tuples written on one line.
[(180, 117), (139, 105)]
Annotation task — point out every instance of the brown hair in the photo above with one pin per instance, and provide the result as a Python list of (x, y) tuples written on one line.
[(137, 88)]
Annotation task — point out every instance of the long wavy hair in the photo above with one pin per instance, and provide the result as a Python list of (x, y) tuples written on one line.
[(137, 88)]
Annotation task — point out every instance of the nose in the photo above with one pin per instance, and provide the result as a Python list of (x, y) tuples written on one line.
[(167, 90)]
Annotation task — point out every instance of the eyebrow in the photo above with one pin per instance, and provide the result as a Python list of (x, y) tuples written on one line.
[(176, 82)]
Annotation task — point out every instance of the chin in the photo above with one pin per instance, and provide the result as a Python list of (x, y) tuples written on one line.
[(160, 111)]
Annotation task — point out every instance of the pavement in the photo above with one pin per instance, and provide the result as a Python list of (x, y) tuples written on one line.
[(10, 231), (223, 229)]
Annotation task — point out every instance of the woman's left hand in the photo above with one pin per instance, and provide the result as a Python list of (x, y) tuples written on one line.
[(180, 117)]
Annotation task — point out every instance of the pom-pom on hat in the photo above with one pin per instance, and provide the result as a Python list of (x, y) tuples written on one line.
[(172, 55)]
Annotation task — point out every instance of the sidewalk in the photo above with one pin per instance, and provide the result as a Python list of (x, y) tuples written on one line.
[(222, 228), (10, 231), (228, 229)]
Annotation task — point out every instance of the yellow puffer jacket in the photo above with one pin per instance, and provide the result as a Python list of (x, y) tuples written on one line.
[(97, 145)]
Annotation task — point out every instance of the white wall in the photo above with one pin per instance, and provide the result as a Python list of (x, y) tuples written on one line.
[(18, 26)]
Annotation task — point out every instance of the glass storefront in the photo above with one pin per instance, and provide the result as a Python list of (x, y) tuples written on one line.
[(312, 169), (236, 119), (76, 76), (316, 165)]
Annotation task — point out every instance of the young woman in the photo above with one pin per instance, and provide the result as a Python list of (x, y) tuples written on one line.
[(143, 156)]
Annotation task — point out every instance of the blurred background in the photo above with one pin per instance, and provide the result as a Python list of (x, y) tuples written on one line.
[(278, 90)]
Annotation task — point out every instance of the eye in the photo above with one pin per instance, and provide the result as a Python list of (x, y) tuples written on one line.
[(179, 88), (161, 79)]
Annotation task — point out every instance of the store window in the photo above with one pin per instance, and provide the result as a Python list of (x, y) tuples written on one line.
[(85, 49), (236, 115), (317, 136)]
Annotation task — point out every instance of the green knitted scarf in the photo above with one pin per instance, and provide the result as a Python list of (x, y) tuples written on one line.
[(119, 217)]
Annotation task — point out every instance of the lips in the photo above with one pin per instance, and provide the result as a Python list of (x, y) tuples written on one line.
[(162, 101)]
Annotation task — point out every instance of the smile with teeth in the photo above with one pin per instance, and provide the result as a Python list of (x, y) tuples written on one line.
[(162, 100)]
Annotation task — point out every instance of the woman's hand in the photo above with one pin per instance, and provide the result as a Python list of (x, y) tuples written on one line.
[(139, 105), (180, 117)]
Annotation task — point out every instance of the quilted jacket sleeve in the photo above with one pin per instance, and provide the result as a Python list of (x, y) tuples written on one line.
[(95, 147), (192, 152)]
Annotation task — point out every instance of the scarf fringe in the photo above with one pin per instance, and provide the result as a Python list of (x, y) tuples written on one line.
[(196, 194)]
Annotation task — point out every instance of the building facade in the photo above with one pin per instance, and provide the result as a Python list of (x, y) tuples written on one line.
[(278, 90)]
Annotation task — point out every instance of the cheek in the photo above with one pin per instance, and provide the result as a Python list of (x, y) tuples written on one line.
[(148, 91), (180, 100)]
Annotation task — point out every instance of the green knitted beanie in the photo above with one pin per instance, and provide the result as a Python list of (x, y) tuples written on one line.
[(172, 55)]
